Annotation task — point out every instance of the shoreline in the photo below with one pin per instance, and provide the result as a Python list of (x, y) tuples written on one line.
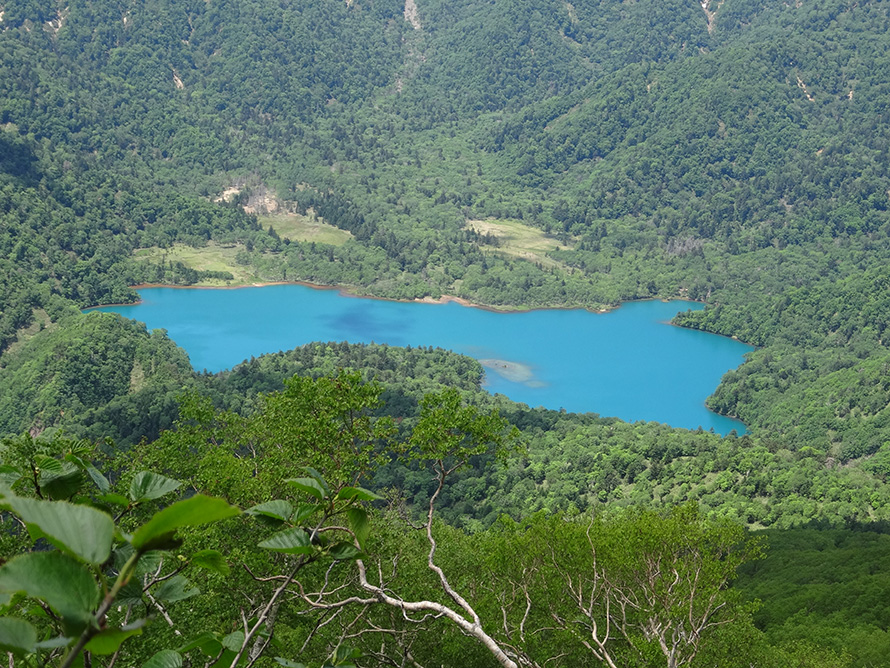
[(349, 291)]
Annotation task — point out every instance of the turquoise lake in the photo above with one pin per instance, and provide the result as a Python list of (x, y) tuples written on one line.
[(628, 363)]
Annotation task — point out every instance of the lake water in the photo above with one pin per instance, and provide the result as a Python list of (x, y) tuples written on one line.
[(628, 363)]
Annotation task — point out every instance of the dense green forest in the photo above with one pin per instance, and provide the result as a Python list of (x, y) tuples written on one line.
[(732, 152)]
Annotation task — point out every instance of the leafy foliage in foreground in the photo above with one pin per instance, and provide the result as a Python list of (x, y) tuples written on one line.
[(332, 573), (95, 564)]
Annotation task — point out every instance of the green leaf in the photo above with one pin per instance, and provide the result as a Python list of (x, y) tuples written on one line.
[(292, 541), (58, 479), (17, 636), (9, 475), (130, 593), (278, 509), (168, 542), (108, 641), (47, 466), (211, 560), (63, 583), (206, 642), (358, 522), (359, 493), (225, 659), (281, 661), (303, 512), (197, 510), (344, 550), (175, 589), (55, 643), (114, 499), (79, 530), (100, 480), (310, 486), (233, 641), (343, 652), (166, 658), (148, 562), (319, 479), (63, 486), (147, 486)]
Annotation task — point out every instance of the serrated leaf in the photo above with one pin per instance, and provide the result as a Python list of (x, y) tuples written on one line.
[(81, 448), (66, 585), (108, 641), (147, 486), (175, 589), (130, 593), (58, 479), (211, 560), (63, 486), (292, 541), (166, 658), (359, 493), (277, 509), (310, 486), (17, 636), (47, 466), (358, 522), (234, 641), (195, 511), (79, 530), (9, 475), (343, 551)]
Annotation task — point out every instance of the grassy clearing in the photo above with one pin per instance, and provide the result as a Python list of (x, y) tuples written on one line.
[(212, 257), (518, 240), (297, 227), (41, 322)]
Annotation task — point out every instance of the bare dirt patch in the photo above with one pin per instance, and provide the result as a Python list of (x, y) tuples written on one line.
[(411, 15), (254, 195)]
